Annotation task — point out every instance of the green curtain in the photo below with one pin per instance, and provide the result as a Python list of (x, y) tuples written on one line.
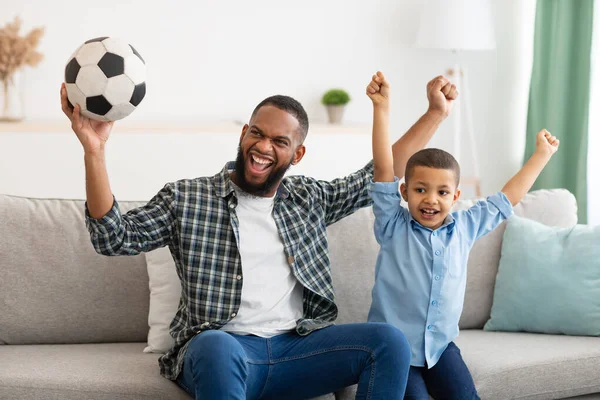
[(560, 93)]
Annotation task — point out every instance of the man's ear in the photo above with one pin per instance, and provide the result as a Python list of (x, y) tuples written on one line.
[(298, 154), (404, 192), (244, 130)]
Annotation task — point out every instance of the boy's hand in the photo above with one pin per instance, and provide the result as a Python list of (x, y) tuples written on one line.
[(546, 143), (379, 90), (441, 94), (519, 185)]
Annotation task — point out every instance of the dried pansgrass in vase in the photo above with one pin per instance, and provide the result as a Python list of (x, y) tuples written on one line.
[(15, 53)]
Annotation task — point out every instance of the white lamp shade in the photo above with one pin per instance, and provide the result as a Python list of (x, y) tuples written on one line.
[(456, 25)]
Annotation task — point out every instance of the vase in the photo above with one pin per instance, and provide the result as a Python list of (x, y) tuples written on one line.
[(11, 98), (335, 113)]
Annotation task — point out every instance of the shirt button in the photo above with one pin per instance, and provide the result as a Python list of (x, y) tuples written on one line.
[(434, 233), (433, 303), (290, 260), (232, 206), (437, 252), (437, 277), (204, 325), (239, 277), (233, 315), (429, 327)]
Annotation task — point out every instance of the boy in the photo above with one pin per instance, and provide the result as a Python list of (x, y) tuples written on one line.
[(420, 275)]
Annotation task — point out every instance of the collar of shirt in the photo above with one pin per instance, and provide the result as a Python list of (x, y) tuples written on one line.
[(449, 223)]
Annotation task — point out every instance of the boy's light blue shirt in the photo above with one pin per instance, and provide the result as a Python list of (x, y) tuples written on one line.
[(420, 275)]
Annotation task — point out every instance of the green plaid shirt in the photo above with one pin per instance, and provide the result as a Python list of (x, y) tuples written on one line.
[(196, 218)]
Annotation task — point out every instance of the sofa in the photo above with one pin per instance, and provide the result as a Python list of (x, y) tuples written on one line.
[(73, 324)]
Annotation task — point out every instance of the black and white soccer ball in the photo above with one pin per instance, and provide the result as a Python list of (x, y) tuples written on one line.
[(107, 78)]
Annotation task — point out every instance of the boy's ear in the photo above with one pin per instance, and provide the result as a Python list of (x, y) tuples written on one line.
[(456, 196), (404, 191)]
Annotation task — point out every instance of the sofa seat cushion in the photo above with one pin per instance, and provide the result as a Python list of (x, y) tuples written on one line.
[(531, 366), (88, 371), (111, 371)]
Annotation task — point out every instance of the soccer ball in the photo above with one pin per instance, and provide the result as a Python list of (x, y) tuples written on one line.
[(107, 78)]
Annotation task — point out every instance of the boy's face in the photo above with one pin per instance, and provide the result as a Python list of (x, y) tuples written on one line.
[(430, 194)]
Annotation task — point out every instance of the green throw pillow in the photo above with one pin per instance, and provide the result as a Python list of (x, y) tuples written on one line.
[(548, 280)]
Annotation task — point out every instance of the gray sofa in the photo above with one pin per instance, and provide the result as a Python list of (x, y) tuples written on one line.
[(73, 324)]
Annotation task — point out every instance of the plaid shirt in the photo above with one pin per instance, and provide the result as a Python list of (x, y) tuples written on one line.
[(196, 218)]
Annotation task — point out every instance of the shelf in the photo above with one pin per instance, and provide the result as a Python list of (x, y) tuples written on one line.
[(171, 127)]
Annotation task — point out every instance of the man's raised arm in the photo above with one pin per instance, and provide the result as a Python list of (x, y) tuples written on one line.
[(441, 93)]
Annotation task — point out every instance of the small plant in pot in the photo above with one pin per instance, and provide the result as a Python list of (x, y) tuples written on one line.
[(335, 101)]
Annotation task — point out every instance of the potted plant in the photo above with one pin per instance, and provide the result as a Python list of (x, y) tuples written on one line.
[(335, 101)]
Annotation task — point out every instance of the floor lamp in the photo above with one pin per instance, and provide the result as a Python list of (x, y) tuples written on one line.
[(457, 26)]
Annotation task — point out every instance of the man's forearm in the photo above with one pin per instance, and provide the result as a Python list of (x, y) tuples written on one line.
[(97, 187), (415, 139)]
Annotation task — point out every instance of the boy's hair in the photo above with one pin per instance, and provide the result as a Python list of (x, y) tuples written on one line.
[(432, 158)]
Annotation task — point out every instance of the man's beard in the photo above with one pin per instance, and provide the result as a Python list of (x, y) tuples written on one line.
[(263, 189)]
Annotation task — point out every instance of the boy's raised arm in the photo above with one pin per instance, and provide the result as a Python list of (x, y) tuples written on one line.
[(378, 91), (519, 185)]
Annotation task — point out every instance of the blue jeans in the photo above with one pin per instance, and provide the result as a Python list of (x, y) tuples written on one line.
[(219, 365), (449, 379)]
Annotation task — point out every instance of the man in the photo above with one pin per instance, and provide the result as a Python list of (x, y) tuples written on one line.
[(250, 246)]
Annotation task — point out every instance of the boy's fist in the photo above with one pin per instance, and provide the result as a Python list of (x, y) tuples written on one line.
[(546, 143), (379, 90)]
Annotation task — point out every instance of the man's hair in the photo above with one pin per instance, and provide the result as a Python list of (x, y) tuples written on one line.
[(291, 106), (432, 158)]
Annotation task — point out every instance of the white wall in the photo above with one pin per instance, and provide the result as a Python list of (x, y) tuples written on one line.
[(213, 61), (50, 164)]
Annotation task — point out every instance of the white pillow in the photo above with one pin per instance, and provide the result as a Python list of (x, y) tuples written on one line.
[(165, 292)]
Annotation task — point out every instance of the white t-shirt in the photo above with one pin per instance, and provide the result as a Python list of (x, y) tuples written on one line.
[(271, 295)]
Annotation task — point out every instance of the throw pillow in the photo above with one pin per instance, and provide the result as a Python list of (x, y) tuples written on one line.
[(548, 280), (165, 292)]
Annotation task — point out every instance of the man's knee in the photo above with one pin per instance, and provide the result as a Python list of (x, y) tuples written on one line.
[(214, 348), (393, 341)]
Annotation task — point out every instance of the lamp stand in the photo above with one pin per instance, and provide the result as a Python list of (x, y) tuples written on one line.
[(460, 78)]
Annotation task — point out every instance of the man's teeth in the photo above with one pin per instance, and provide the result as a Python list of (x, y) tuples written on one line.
[(260, 160)]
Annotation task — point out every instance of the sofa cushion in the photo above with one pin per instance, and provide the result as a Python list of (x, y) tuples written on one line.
[(91, 371), (352, 253), (56, 288), (556, 207), (548, 280), (531, 366), (110, 371)]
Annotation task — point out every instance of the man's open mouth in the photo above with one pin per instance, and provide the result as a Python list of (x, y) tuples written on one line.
[(259, 164)]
